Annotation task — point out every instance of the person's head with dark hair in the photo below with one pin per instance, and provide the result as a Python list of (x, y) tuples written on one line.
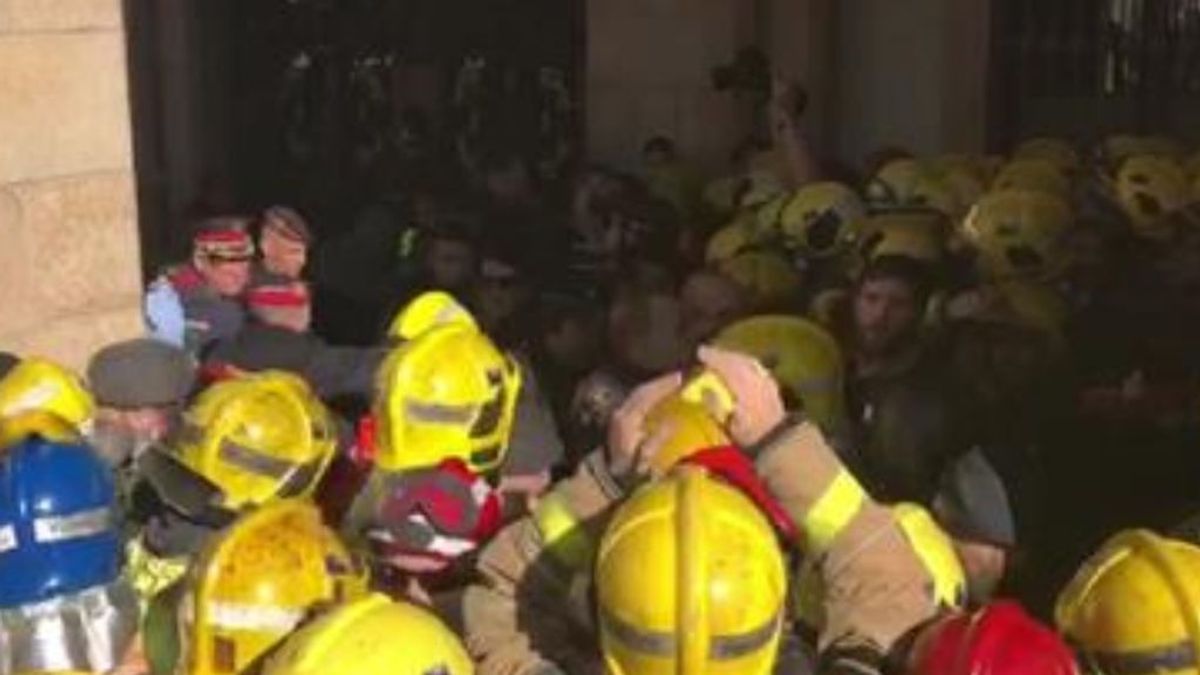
[(503, 288), (569, 328), (709, 301), (889, 303), (284, 238), (508, 176), (451, 251), (659, 150), (222, 250)]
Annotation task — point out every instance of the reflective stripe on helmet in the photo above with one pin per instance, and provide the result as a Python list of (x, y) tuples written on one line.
[(75, 526), (562, 534), (1177, 657), (238, 616), (33, 398), (664, 645), (8, 538), (255, 462), (433, 413), (832, 512)]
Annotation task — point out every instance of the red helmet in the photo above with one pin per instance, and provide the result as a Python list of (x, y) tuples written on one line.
[(1000, 639)]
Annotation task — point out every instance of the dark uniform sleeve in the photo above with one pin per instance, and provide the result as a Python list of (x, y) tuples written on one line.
[(343, 371)]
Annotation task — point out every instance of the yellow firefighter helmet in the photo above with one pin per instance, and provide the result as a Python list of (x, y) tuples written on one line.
[(916, 234), (37, 384), (257, 581), (1056, 151), (768, 278), (1039, 175), (1134, 606), (821, 220), (243, 443), (1149, 189), (892, 186), (447, 392), (801, 356), (690, 580), (1018, 233), (372, 636)]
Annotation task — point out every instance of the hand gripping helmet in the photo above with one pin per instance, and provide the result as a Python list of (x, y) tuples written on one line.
[(37, 384), (1150, 188), (690, 428), (690, 579), (62, 603), (822, 219), (243, 443), (1019, 233), (801, 356), (1000, 639), (372, 636), (256, 582), (446, 392), (1134, 607)]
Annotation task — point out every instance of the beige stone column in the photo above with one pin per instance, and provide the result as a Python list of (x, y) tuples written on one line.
[(967, 31), (69, 273), (799, 37), (648, 67)]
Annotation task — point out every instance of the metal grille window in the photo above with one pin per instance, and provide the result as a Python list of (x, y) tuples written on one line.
[(1122, 63)]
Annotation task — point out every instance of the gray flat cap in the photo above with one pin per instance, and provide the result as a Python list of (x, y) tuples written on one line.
[(141, 373)]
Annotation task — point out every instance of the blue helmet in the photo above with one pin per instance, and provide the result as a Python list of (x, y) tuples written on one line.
[(58, 522)]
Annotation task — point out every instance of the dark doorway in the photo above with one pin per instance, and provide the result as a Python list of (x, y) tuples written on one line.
[(317, 103)]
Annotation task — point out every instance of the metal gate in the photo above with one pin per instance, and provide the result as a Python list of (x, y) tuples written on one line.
[(1086, 68)]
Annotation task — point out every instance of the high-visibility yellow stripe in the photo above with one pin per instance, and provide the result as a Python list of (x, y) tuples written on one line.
[(149, 574), (936, 553), (562, 534), (832, 512)]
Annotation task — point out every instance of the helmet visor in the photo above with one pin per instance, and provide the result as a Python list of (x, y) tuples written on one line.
[(183, 490)]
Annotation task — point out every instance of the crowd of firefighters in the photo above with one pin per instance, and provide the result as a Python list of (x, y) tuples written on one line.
[(768, 423)]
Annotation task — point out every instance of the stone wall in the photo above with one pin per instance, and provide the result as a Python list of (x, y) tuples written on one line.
[(911, 74), (648, 64), (648, 67), (69, 269)]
